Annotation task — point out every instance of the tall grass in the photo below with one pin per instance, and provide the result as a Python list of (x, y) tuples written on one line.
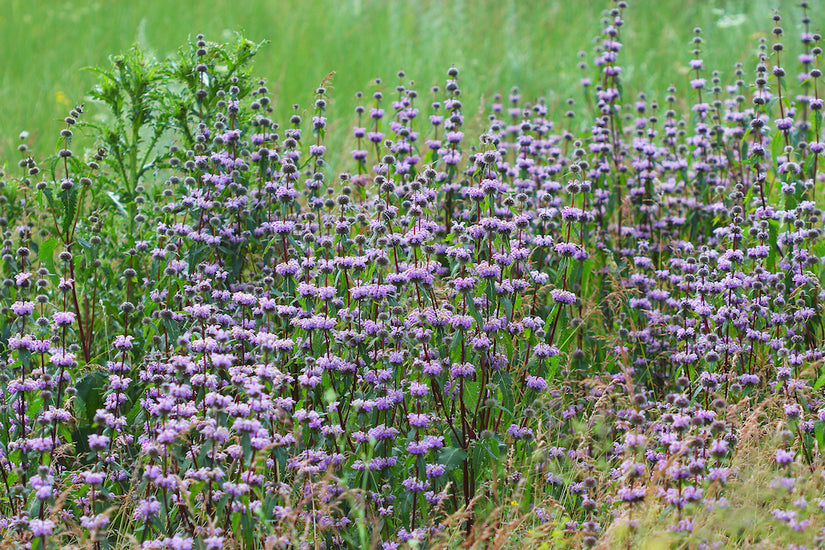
[(45, 44)]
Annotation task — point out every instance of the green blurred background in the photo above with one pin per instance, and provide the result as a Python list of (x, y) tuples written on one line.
[(496, 43)]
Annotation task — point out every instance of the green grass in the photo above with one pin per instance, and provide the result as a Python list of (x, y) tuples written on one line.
[(496, 44)]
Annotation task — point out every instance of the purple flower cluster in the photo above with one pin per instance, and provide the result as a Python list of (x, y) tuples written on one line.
[(276, 351)]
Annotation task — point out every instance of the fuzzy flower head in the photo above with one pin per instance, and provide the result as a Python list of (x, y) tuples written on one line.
[(22, 309), (563, 296)]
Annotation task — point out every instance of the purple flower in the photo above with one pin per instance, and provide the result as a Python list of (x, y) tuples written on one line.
[(487, 271), (95, 522), (214, 542), (43, 486), (632, 494), (382, 432), (244, 299), (418, 420), (22, 309), (719, 448), (179, 542), (792, 410), (536, 383), (783, 457), (94, 478), (64, 318), (41, 528), (123, 342), (462, 370), (563, 296), (62, 359), (146, 509), (519, 433), (98, 442), (545, 350), (414, 485), (65, 285), (481, 342), (23, 279), (435, 470)]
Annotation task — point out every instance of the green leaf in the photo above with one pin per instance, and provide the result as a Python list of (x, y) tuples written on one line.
[(819, 382), (505, 385), (472, 393), (773, 236), (483, 450), (195, 255), (752, 160), (548, 321), (451, 457), (69, 200), (119, 205), (777, 143), (553, 367), (508, 307), (236, 521), (90, 394), (47, 192), (587, 267), (508, 345), (455, 347), (471, 306), (46, 253), (807, 166), (248, 531)]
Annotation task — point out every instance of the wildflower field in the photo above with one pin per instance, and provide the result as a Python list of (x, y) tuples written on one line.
[(582, 312)]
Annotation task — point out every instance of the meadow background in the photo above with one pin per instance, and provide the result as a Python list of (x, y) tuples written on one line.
[(496, 44)]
